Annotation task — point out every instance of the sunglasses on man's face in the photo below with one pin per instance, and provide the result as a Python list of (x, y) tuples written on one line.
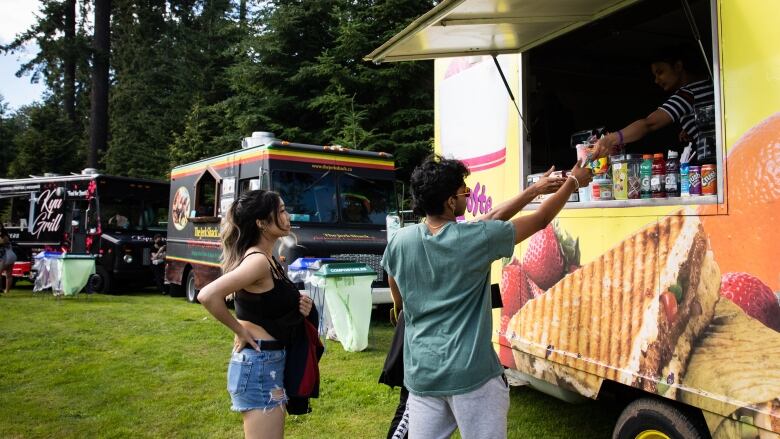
[(467, 193)]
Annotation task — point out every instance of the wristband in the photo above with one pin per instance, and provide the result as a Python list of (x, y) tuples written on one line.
[(576, 182), (620, 137)]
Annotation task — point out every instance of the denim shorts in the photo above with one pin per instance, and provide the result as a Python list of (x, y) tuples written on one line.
[(255, 380)]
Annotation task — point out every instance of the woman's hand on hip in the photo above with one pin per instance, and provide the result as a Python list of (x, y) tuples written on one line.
[(304, 305), (242, 339)]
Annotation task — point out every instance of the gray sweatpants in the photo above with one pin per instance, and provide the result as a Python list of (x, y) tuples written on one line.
[(478, 414)]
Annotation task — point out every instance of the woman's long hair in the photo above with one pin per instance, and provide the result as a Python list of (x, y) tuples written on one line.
[(239, 228)]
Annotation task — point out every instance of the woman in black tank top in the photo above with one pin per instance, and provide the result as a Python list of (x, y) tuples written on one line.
[(265, 299)]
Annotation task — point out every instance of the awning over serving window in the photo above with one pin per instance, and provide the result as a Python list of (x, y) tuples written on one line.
[(476, 27)]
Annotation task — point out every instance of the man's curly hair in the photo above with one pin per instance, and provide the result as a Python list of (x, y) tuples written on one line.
[(434, 181)]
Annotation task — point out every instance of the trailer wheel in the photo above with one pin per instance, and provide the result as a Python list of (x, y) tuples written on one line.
[(648, 418), (100, 282), (191, 291)]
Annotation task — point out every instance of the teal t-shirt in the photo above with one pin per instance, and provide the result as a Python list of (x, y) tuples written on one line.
[(444, 280)]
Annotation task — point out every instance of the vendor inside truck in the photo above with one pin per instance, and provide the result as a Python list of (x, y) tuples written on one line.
[(677, 70)]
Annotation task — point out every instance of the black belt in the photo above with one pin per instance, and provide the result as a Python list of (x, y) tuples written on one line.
[(270, 345)]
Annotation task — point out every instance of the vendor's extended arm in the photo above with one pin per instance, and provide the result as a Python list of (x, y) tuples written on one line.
[(631, 133), (506, 210)]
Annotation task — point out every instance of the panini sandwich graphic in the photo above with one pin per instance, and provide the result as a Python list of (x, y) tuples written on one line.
[(632, 315)]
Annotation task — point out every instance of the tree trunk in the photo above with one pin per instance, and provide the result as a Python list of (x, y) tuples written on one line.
[(70, 61), (242, 12), (101, 44)]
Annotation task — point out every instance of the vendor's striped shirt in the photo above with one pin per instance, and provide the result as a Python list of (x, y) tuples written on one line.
[(680, 107)]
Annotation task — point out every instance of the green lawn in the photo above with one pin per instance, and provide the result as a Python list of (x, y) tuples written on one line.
[(152, 366)]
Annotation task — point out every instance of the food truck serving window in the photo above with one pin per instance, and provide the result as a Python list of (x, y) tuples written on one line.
[(607, 77), (584, 66), (308, 196)]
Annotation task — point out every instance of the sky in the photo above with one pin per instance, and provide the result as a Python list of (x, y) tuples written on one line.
[(16, 16)]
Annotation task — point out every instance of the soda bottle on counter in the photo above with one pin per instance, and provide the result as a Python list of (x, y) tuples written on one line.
[(685, 182), (658, 176), (672, 182), (645, 174)]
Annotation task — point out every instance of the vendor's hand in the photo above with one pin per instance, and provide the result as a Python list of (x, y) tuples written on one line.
[(547, 184), (602, 148), (583, 174), (242, 339), (304, 305)]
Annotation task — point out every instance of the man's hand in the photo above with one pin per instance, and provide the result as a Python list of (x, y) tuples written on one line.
[(581, 173), (547, 184)]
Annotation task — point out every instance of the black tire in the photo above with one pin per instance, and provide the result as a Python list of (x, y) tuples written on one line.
[(644, 416), (189, 288), (101, 281), (175, 290)]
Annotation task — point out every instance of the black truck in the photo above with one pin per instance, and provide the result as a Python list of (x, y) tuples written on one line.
[(113, 218)]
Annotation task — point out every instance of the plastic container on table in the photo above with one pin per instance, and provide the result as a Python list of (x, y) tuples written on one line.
[(619, 177), (347, 290), (634, 176)]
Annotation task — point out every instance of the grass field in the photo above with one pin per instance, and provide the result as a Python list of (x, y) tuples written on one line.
[(151, 366)]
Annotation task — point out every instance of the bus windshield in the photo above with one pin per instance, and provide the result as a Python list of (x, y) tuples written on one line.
[(313, 197), (308, 197), (365, 201)]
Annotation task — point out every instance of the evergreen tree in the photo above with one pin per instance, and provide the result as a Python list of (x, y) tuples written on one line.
[(9, 129), (302, 77), (166, 62), (61, 63), (101, 49), (39, 145)]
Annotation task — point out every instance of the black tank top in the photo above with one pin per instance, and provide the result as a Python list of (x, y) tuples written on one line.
[(271, 309)]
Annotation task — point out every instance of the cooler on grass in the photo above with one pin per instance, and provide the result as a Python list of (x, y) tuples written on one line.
[(347, 291)]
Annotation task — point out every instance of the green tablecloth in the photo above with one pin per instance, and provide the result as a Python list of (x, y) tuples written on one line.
[(76, 270)]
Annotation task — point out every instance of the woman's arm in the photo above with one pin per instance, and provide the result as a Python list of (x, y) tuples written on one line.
[(212, 296), (632, 132)]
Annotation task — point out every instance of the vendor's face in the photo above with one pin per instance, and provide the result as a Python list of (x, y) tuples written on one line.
[(667, 76)]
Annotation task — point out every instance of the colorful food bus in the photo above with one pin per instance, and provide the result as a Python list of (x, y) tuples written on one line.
[(114, 218), (668, 303), (338, 201)]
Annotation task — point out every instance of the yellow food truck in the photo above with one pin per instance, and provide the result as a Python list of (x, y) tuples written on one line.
[(669, 302)]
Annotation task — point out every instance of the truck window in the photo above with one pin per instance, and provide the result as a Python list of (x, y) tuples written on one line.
[(365, 201), (15, 211), (121, 214), (156, 216), (92, 216), (588, 81), (308, 196), (206, 195)]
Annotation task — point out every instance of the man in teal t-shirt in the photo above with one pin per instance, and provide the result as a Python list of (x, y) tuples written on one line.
[(441, 270)]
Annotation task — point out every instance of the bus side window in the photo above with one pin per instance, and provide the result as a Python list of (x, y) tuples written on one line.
[(206, 195)]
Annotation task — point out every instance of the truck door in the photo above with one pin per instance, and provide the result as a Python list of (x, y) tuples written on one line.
[(76, 222)]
